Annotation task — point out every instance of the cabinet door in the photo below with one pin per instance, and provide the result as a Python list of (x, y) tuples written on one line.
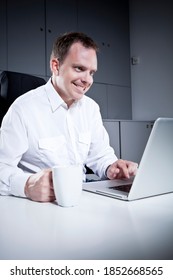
[(119, 102), (61, 17), (107, 22), (26, 36), (134, 137), (3, 36), (112, 128), (98, 93)]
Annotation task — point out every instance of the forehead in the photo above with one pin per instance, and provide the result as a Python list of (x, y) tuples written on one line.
[(79, 54)]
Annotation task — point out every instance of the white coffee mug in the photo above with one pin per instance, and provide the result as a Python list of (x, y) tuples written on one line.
[(67, 182)]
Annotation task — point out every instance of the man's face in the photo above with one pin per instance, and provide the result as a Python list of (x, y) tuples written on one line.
[(75, 74)]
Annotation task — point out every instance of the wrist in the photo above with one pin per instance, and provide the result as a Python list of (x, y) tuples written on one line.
[(27, 186)]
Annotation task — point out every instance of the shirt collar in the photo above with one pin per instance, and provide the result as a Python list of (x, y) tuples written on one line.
[(55, 99)]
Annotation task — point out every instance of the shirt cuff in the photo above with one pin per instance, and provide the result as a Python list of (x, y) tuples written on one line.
[(106, 166), (107, 170), (18, 184)]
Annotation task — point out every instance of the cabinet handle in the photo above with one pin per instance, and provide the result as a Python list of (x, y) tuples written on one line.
[(108, 44), (49, 30), (149, 126), (41, 29)]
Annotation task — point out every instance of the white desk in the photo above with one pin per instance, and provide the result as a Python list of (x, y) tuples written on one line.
[(99, 228)]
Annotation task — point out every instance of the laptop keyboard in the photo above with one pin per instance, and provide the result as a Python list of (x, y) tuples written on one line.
[(124, 188)]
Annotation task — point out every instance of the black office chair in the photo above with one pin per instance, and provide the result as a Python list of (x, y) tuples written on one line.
[(14, 84)]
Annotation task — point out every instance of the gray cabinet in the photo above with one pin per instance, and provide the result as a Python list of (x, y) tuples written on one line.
[(134, 137), (112, 128), (98, 92), (108, 22), (114, 101), (32, 28), (119, 102), (61, 17), (26, 36), (28, 29), (128, 138)]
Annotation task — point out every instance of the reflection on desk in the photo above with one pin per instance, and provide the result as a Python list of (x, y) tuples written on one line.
[(99, 228)]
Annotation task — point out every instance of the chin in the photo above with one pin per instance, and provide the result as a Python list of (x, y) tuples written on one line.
[(79, 96)]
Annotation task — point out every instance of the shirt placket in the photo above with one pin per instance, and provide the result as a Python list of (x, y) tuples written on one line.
[(72, 137)]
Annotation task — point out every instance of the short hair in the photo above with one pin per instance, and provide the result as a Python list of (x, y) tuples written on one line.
[(63, 43)]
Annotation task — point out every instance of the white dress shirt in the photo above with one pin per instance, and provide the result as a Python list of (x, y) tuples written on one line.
[(40, 131)]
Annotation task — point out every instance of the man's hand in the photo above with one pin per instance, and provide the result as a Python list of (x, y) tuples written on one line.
[(39, 186), (121, 169)]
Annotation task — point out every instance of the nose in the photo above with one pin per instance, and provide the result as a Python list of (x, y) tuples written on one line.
[(87, 78)]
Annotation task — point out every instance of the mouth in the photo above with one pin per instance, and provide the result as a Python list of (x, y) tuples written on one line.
[(80, 88)]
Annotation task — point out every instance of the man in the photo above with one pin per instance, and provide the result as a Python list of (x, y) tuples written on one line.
[(57, 124)]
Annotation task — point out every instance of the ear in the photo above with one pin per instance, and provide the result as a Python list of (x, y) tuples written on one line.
[(54, 66)]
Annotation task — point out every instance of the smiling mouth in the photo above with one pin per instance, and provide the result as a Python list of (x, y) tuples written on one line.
[(80, 87)]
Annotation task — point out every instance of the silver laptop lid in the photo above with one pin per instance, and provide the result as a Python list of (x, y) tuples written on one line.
[(155, 173)]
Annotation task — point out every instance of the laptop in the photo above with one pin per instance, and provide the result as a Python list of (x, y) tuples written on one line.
[(155, 171)]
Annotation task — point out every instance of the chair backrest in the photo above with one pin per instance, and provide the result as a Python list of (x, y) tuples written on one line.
[(14, 84)]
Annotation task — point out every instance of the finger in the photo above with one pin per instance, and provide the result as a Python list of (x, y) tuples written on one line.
[(47, 178), (50, 178), (124, 172), (112, 172), (118, 170), (47, 196), (132, 168)]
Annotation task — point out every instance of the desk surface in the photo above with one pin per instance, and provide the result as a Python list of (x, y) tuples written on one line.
[(99, 228)]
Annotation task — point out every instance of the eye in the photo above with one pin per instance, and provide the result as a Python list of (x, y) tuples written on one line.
[(79, 68), (92, 73)]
